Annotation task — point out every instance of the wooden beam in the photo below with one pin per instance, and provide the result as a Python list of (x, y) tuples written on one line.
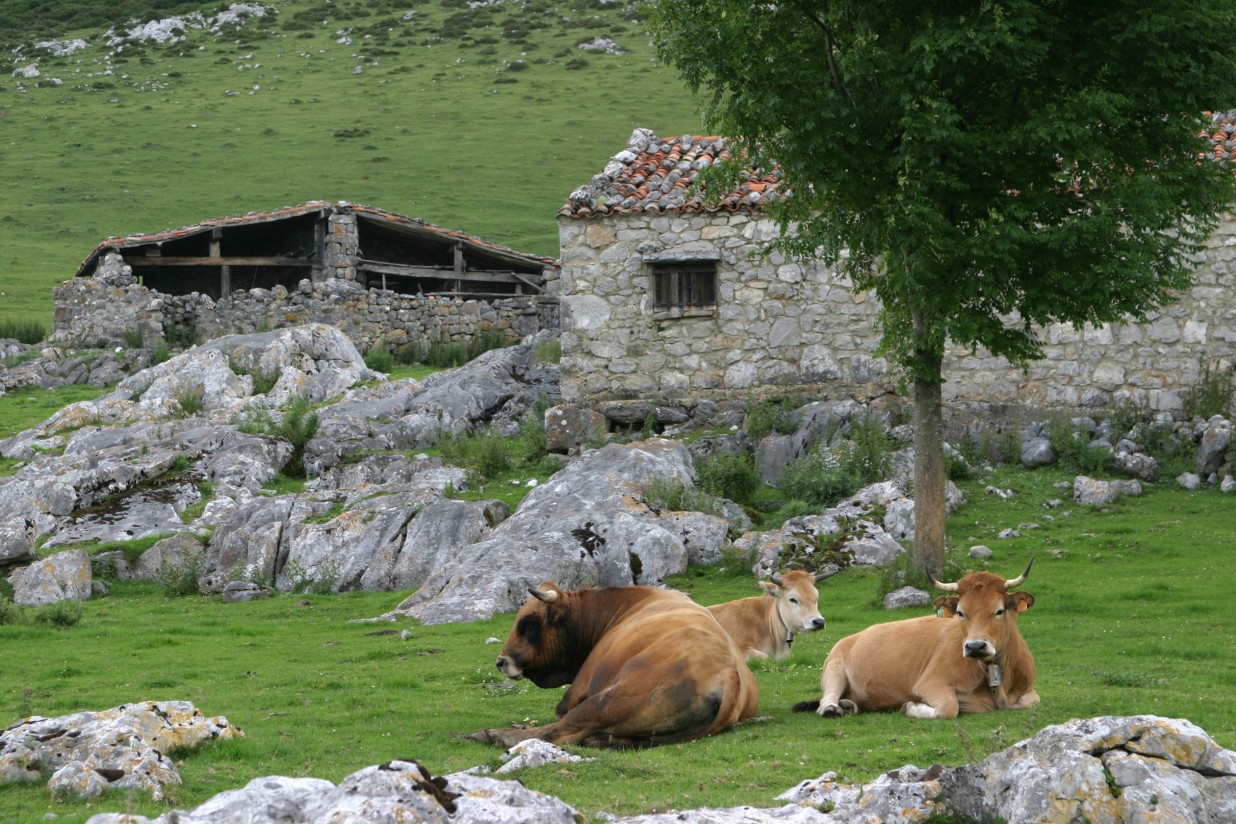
[(443, 273), (217, 261)]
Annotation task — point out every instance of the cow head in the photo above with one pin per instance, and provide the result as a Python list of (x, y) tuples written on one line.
[(798, 601), (539, 647), (983, 602)]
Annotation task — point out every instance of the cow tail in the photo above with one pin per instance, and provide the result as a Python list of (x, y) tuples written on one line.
[(806, 706)]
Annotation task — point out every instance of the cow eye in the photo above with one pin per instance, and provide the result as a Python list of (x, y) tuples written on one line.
[(999, 612), (960, 614), (529, 628), (793, 600)]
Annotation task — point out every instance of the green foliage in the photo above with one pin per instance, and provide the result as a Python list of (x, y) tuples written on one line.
[(10, 613), (673, 496), (22, 331), (832, 473), (487, 453), (1074, 450), (263, 382), (181, 336), (192, 401), (379, 359), (729, 476), (177, 580), (1212, 395), (160, 353), (768, 416), (61, 615), (298, 426), (133, 338)]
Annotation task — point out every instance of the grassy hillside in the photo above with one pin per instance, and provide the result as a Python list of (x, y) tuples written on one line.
[(481, 120)]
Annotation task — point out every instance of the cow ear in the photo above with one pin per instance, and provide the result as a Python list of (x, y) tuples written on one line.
[(769, 587), (1019, 601), (946, 605)]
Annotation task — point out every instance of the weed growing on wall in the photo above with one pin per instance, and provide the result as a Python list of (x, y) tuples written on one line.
[(180, 579), (1212, 395)]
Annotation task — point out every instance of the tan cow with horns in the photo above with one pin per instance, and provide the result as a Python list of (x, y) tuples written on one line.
[(646, 666), (939, 665), (764, 626)]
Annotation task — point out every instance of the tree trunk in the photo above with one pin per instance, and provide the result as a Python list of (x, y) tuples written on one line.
[(929, 474)]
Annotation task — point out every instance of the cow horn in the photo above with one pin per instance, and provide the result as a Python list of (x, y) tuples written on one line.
[(776, 579), (548, 596), (940, 584), (820, 576), (1016, 582)]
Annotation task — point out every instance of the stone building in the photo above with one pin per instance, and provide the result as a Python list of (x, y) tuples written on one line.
[(384, 279), (669, 299)]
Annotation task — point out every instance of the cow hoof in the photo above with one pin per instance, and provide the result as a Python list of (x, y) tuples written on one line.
[(843, 707)]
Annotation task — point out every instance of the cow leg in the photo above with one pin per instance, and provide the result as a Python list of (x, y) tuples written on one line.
[(508, 737), (1028, 700), (938, 701), (833, 684)]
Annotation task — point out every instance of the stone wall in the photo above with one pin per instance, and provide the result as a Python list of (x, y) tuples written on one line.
[(782, 327), (111, 308)]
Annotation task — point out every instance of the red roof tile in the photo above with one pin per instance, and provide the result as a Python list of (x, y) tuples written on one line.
[(655, 175)]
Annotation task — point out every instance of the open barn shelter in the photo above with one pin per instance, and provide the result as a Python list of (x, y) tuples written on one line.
[(318, 241)]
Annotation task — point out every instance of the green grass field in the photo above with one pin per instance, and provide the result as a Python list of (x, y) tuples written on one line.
[(1132, 616), (479, 120)]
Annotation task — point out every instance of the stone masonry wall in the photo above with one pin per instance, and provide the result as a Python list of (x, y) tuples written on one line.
[(783, 327), (109, 308)]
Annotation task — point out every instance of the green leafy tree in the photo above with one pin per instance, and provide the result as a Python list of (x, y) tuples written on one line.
[(985, 167)]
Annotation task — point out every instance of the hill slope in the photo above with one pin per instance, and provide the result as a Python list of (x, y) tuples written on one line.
[(481, 119)]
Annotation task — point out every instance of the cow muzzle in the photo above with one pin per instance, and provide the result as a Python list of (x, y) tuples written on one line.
[(981, 649), (509, 668)]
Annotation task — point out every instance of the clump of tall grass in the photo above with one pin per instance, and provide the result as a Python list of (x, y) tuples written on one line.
[(23, 331), (61, 615), (729, 476)]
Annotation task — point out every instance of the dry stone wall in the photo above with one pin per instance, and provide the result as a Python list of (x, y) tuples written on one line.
[(111, 308), (781, 326)]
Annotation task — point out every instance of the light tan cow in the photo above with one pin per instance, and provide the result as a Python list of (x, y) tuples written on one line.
[(969, 658), (646, 666), (764, 626)]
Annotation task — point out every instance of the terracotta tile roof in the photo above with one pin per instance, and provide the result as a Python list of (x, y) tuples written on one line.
[(655, 175), (1222, 136), (415, 224)]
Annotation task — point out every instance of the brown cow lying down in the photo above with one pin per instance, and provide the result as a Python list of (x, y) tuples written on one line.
[(937, 666), (764, 626), (646, 666)]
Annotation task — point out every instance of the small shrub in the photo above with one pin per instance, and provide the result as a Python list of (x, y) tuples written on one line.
[(23, 331), (181, 336), (191, 401), (299, 425), (177, 580), (160, 353), (673, 496), (380, 359), (10, 613), (61, 615), (133, 338), (1212, 395), (487, 454), (1074, 450), (766, 417), (531, 441), (729, 476)]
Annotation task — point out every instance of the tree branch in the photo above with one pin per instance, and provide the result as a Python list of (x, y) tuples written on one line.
[(828, 47)]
